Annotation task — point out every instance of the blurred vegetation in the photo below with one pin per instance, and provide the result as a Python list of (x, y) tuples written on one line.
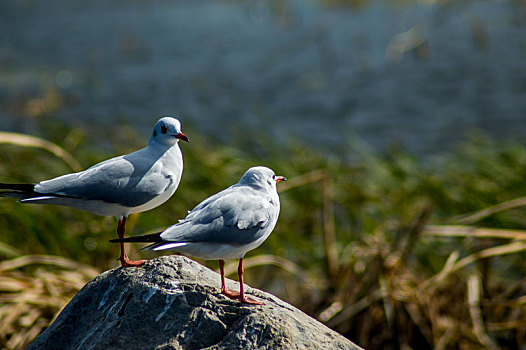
[(390, 251)]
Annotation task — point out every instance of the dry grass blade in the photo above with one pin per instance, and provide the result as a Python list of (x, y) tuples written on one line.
[(17, 139), (444, 339), (474, 293), (34, 289), (330, 311), (8, 251), (47, 260), (514, 288), (302, 180), (446, 270), (500, 326), (479, 215), (468, 231), (350, 310), (415, 232), (504, 249), (329, 236), (34, 331), (419, 319)]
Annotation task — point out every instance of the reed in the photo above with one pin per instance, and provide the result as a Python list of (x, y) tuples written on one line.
[(388, 250)]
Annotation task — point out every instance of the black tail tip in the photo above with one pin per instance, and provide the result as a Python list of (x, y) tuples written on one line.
[(152, 237)]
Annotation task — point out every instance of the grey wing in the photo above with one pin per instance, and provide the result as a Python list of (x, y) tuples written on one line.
[(234, 216), (129, 181)]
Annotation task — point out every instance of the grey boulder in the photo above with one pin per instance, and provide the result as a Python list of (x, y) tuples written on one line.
[(174, 303)]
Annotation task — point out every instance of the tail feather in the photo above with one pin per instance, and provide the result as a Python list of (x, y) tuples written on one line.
[(152, 237), (30, 188), (18, 190), (27, 194)]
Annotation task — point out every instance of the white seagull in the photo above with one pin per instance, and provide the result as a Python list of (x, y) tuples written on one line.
[(226, 225), (120, 186)]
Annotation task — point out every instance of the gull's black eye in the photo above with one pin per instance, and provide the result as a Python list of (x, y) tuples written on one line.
[(274, 177), (164, 129)]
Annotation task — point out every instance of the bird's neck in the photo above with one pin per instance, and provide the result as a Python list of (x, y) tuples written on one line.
[(154, 144), (170, 153)]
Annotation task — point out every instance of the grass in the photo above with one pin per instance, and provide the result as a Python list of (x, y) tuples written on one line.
[(33, 290), (388, 250)]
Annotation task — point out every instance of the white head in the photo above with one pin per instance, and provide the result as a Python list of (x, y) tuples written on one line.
[(260, 176), (167, 131)]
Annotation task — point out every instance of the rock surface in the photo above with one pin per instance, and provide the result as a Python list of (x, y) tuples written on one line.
[(174, 303)]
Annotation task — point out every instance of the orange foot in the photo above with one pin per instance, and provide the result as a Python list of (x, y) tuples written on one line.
[(232, 294), (249, 300), (130, 263)]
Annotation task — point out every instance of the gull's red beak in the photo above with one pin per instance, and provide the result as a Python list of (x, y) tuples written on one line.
[(281, 178), (182, 136)]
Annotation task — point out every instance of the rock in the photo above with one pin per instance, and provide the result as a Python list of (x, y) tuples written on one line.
[(174, 303)]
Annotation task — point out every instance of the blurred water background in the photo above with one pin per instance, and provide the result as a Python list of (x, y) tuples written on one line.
[(417, 73), (398, 123)]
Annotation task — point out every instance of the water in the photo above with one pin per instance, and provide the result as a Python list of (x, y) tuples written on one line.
[(418, 74)]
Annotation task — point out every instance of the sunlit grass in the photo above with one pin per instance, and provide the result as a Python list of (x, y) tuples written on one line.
[(33, 290), (387, 250)]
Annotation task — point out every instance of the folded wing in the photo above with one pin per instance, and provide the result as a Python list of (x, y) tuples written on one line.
[(118, 180), (236, 215)]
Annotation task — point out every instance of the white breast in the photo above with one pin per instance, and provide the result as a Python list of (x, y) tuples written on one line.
[(163, 197)]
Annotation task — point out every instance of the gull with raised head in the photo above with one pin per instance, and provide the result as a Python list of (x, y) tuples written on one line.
[(120, 186), (226, 225)]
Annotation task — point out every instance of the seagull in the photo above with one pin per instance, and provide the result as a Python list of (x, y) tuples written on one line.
[(225, 226), (119, 186)]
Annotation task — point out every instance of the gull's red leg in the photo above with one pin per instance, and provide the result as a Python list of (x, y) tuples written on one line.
[(242, 297), (125, 261), (224, 290)]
